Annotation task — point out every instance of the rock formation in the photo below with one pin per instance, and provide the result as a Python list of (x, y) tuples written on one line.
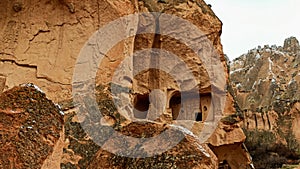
[(188, 153), (43, 39), (31, 126), (266, 84)]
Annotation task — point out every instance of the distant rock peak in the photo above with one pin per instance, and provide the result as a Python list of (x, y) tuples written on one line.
[(266, 85), (291, 44)]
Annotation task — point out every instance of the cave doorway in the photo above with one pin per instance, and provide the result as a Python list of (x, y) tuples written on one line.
[(141, 106), (175, 105), (206, 106), (198, 116)]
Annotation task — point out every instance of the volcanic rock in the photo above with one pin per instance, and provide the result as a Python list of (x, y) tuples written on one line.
[(30, 127), (43, 50), (266, 84), (187, 153)]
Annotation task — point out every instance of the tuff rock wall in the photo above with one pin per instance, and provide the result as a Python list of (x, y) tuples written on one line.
[(41, 42), (266, 83)]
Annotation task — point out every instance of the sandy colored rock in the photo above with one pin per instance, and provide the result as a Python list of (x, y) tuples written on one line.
[(266, 85), (43, 50), (2, 83), (266, 82), (295, 110), (235, 155)]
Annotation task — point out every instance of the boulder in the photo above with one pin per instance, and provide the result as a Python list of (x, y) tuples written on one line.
[(31, 127)]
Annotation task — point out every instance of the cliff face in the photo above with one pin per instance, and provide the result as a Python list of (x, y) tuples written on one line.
[(43, 39), (266, 83)]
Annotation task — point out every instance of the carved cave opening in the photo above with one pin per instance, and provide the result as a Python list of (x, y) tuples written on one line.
[(198, 116), (175, 105), (206, 105), (190, 108), (141, 106)]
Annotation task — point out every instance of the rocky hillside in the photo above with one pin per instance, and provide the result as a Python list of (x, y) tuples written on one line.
[(266, 85)]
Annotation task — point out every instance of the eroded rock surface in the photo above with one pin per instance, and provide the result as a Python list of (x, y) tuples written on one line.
[(30, 127), (43, 50), (42, 39), (187, 153), (266, 83)]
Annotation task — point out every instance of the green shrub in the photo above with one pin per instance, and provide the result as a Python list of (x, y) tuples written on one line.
[(266, 152)]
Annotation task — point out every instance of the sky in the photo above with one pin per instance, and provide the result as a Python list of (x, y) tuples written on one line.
[(249, 23)]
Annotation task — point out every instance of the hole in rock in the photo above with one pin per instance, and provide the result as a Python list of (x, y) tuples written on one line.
[(141, 106), (198, 116), (175, 105)]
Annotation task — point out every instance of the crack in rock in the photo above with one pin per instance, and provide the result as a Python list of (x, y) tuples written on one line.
[(32, 67)]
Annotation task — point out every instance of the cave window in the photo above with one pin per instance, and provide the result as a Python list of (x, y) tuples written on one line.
[(141, 106), (175, 105), (198, 116)]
